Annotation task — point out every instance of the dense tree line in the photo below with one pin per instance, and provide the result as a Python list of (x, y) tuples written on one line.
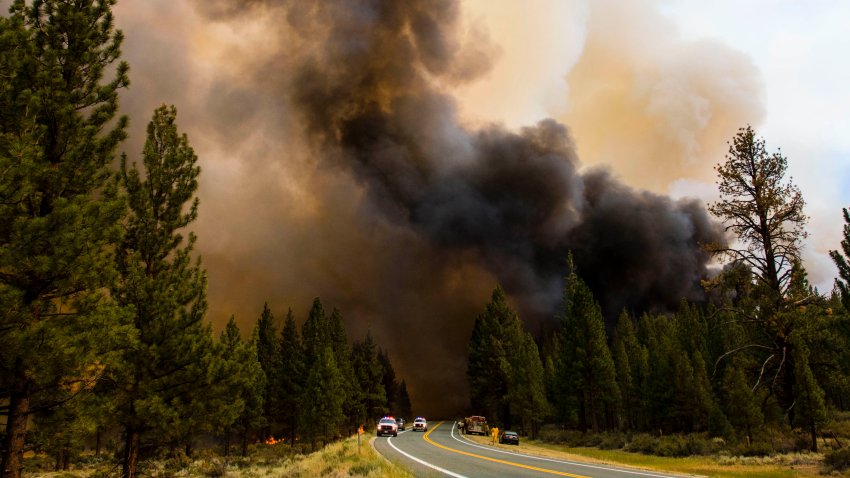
[(318, 386), (103, 305), (765, 349), (505, 372)]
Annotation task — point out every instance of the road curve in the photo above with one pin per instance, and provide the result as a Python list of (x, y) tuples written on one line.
[(443, 452)]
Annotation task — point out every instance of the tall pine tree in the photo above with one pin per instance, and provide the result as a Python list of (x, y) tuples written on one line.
[(488, 368), (292, 377), (161, 376), (765, 212), (59, 210), (404, 407), (587, 373), (268, 353), (353, 408), (315, 333), (247, 384), (322, 400), (370, 374), (526, 390), (630, 361)]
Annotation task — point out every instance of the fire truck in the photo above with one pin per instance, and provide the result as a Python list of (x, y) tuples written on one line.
[(475, 425)]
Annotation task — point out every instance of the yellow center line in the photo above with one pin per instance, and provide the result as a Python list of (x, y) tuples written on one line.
[(496, 460)]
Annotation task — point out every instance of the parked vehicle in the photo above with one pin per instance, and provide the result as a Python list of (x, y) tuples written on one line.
[(475, 425), (400, 423), (509, 438)]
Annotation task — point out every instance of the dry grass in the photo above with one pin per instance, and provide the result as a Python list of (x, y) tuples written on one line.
[(339, 459)]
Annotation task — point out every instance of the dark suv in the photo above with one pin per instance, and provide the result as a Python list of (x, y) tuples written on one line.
[(400, 423)]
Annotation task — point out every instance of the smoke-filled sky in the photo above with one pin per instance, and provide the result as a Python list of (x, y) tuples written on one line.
[(400, 158)]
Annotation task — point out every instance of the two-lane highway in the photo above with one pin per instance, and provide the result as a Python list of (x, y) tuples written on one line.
[(443, 452)]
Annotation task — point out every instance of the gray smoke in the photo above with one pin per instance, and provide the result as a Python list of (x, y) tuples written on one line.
[(335, 165), (372, 103)]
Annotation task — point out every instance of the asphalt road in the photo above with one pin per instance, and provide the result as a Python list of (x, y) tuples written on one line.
[(442, 451)]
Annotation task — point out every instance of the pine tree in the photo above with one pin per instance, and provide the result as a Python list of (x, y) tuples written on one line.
[(488, 368), (765, 213), (369, 373), (624, 352), (161, 377), (842, 262), (405, 408), (660, 386), (315, 333), (587, 368), (388, 380), (826, 333), (321, 402), (353, 408), (268, 353), (60, 432), (59, 208), (811, 410), (292, 377), (739, 401), (700, 400), (526, 390), (692, 393), (247, 383)]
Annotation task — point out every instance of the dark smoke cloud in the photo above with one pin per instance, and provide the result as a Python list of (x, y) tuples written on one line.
[(334, 165), (371, 100)]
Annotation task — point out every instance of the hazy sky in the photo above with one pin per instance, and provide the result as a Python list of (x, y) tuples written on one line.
[(782, 62), (649, 91), (801, 50)]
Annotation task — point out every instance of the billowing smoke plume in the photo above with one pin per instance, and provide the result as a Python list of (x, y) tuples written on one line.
[(371, 103), (335, 164)]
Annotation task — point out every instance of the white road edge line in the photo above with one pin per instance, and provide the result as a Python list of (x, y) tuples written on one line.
[(423, 462), (575, 463)]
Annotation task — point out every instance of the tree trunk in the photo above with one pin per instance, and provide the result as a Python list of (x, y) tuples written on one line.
[(16, 425), (582, 416), (227, 443), (131, 453), (66, 458), (97, 434), (244, 442), (814, 432), (594, 422)]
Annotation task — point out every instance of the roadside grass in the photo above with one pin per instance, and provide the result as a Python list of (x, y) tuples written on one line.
[(797, 465), (338, 459)]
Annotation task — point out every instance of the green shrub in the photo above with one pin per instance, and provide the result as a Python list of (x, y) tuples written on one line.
[(673, 445), (837, 460), (756, 448), (215, 467), (559, 436), (612, 441), (642, 443)]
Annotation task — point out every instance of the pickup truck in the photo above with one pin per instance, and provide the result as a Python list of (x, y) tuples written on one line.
[(387, 426)]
